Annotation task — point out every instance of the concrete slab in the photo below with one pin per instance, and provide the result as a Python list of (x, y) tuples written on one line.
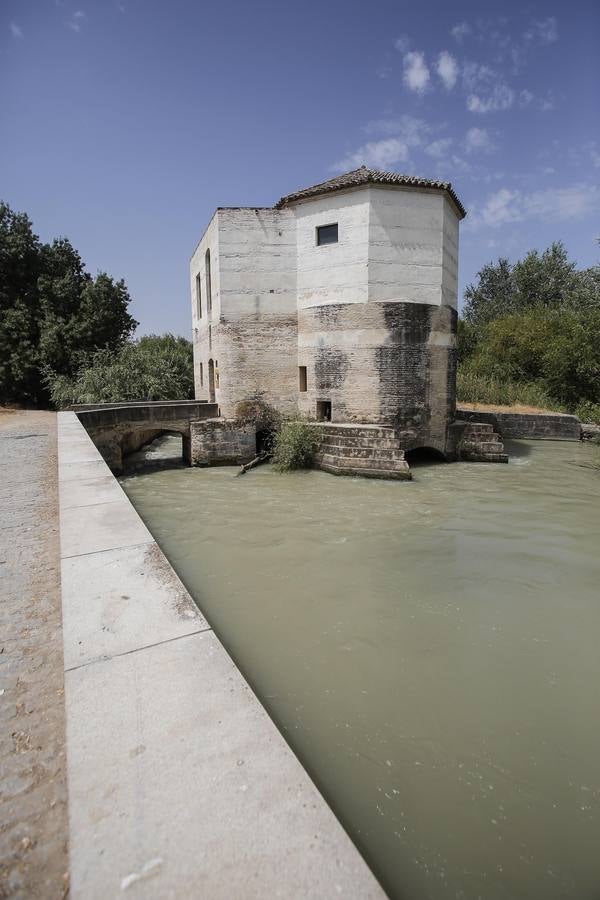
[(121, 600), (104, 526), (180, 786), (87, 491), (78, 469)]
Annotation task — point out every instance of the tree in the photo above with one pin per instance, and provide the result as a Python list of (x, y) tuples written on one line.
[(52, 312), (548, 280), (156, 367)]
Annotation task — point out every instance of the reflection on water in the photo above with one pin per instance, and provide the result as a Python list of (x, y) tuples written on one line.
[(431, 650)]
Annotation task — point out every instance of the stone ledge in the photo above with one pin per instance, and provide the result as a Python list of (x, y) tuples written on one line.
[(179, 783)]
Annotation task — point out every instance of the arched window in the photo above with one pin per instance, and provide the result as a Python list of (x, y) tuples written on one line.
[(198, 296), (208, 282)]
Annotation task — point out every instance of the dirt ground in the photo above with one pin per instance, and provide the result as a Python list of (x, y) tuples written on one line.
[(33, 790), (517, 408)]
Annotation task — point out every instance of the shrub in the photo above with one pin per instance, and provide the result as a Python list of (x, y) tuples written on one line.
[(265, 418), (295, 445), (587, 411)]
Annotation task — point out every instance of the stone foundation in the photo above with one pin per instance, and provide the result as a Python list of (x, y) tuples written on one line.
[(477, 442), (221, 442)]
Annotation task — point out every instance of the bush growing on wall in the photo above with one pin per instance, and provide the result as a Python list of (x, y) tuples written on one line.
[(264, 417), (295, 445)]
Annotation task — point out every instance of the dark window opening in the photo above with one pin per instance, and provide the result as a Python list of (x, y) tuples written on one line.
[(208, 282), (217, 375), (198, 297), (323, 410), (211, 381), (302, 379), (327, 234), (201, 375)]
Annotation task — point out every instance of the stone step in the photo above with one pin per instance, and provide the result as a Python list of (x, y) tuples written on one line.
[(343, 440), (475, 456), (360, 462), (373, 431), (396, 474), (373, 450), (487, 446)]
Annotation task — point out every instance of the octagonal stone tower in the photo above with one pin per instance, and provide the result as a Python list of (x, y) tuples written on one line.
[(339, 302)]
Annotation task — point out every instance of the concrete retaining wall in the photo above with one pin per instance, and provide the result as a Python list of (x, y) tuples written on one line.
[(531, 426), (179, 783)]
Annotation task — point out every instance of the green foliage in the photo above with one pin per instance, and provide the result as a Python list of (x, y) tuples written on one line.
[(547, 280), (587, 411), (156, 367), (52, 312), (265, 418), (533, 330), (295, 445)]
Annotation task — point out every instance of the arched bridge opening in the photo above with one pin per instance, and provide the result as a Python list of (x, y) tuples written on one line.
[(424, 456)]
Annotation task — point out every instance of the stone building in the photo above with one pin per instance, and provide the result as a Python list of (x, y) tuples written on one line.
[(340, 303)]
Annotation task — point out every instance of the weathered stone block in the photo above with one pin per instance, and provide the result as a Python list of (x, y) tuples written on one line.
[(221, 442)]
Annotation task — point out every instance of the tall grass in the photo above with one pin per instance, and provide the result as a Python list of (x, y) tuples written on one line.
[(474, 388)]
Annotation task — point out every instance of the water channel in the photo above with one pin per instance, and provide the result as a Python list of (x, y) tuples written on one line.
[(430, 650)]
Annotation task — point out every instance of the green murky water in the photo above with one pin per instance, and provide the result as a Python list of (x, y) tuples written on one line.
[(430, 650)]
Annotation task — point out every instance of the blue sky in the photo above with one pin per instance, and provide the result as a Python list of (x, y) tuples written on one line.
[(126, 122)]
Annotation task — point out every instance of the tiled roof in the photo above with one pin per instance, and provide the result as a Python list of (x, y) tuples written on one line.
[(362, 176)]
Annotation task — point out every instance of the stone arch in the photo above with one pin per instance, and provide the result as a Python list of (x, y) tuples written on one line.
[(424, 454)]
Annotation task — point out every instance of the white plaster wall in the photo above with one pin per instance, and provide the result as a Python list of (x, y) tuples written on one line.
[(200, 326), (450, 255), (405, 245), (257, 348), (333, 273)]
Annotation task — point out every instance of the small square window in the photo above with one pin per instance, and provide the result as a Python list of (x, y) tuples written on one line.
[(327, 234)]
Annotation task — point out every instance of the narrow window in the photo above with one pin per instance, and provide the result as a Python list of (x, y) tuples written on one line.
[(198, 297), (324, 410), (327, 234), (208, 282), (201, 375), (302, 379), (210, 337), (217, 376)]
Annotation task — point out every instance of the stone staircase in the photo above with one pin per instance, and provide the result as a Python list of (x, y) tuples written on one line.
[(480, 443), (371, 451)]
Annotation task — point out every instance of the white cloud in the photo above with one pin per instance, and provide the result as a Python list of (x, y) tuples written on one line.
[(401, 135), (550, 205), (376, 154), (500, 98), (447, 69), (16, 30), (402, 43), (544, 31), (416, 73), (439, 148), (460, 31), (525, 98), (478, 139), (76, 20), (595, 157)]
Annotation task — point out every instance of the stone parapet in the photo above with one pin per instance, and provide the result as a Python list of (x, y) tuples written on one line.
[(530, 426)]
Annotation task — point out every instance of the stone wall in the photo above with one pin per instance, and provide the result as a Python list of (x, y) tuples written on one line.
[(531, 426), (221, 442)]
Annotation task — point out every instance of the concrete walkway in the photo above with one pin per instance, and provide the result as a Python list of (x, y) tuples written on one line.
[(180, 785), (33, 792)]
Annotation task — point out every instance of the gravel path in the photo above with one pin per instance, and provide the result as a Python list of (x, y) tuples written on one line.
[(33, 791)]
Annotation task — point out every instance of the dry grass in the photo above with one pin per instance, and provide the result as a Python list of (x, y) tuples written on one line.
[(496, 408)]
